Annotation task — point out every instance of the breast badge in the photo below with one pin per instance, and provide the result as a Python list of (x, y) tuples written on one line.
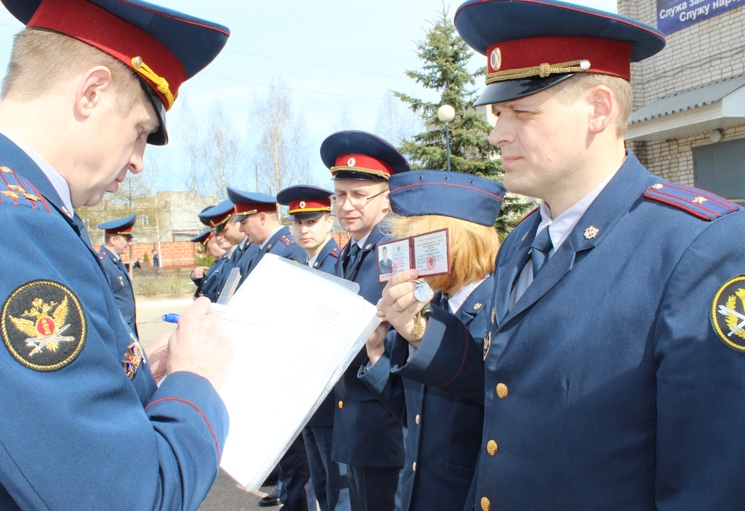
[(728, 313), (43, 325)]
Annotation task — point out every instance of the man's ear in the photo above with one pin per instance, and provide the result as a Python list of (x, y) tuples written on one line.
[(604, 109), (91, 86)]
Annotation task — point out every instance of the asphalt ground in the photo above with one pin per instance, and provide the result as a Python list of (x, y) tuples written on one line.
[(226, 494)]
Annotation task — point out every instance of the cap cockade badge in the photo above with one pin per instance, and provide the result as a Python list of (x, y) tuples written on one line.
[(43, 325), (728, 313)]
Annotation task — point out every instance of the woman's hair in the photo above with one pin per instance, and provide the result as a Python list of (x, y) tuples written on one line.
[(473, 247), (42, 58), (569, 90)]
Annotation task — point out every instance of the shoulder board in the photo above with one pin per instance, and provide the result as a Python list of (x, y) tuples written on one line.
[(527, 215), (335, 252), (286, 240), (102, 255), (16, 190), (699, 203)]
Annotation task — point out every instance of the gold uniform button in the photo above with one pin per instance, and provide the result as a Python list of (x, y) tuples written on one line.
[(341, 404), (418, 419), (492, 447), (413, 467), (502, 390), (485, 504)]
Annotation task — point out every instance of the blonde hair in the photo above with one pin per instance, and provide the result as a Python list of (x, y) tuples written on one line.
[(569, 90), (42, 58), (473, 247)]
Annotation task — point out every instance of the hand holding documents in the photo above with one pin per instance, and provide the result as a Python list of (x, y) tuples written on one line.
[(290, 354), (428, 253)]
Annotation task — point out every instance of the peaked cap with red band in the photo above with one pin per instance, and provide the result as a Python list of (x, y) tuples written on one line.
[(305, 202), (202, 237), (164, 48), (121, 226), (362, 156), (248, 203), (217, 215), (533, 44)]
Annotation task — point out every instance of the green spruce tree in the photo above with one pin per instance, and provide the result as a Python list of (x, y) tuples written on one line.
[(446, 57)]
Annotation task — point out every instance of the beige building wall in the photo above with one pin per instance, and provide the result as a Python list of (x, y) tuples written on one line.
[(697, 55)]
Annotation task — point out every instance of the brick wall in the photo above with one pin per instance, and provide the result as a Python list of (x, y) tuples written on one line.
[(172, 253)]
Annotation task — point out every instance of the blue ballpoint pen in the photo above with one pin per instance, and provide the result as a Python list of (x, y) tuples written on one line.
[(171, 317)]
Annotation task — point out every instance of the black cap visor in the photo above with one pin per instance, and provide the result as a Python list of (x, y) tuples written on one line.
[(508, 90)]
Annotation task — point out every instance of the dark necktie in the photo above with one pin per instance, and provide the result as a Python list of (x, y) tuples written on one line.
[(540, 248), (353, 253)]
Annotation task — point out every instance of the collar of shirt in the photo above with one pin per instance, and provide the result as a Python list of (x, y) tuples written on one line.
[(456, 301), (562, 225), (312, 260), (269, 237), (361, 242), (58, 182)]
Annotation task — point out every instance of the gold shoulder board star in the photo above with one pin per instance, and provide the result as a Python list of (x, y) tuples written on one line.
[(700, 200)]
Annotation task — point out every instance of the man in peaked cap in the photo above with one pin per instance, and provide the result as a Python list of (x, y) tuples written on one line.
[(257, 217), (312, 224), (617, 352), (88, 86), (204, 276), (117, 239), (367, 437), (229, 238)]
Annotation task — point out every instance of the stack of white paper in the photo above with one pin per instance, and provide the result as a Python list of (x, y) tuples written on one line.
[(295, 330)]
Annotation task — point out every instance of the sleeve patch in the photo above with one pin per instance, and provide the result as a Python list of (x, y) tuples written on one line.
[(43, 325), (699, 203), (728, 313)]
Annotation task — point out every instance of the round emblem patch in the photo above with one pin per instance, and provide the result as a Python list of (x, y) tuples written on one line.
[(495, 59), (302, 204), (728, 313), (43, 325)]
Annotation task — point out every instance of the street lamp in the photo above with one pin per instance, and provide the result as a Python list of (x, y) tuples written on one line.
[(446, 113)]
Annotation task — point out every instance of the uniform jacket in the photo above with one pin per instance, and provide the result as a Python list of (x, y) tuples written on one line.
[(326, 262), (443, 430), (240, 258), (120, 284), (76, 432), (281, 243), (607, 385), (212, 279), (365, 432)]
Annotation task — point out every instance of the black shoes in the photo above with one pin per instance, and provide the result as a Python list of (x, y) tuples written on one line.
[(270, 500)]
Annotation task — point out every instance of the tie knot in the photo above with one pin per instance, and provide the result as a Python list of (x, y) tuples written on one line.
[(541, 246), (354, 250), (542, 242)]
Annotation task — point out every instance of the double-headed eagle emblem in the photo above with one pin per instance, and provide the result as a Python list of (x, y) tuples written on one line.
[(44, 331)]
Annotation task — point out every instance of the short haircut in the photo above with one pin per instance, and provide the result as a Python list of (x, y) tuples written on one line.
[(473, 247), (569, 90), (42, 58)]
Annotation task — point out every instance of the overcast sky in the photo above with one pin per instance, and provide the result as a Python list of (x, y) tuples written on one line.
[(338, 58)]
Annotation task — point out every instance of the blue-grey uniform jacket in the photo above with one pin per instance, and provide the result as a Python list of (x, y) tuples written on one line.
[(366, 433), (443, 430), (120, 284), (617, 380), (281, 243), (82, 423)]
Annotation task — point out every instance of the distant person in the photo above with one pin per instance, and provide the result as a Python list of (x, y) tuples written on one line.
[(84, 424), (137, 265), (117, 239), (201, 274), (312, 224), (156, 259)]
